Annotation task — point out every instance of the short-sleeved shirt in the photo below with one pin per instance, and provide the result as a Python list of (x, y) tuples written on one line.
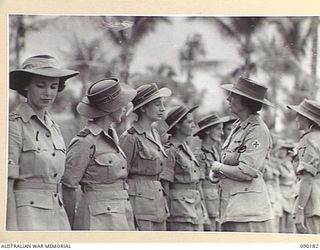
[(145, 154), (146, 159), (182, 165), (94, 157), (246, 148), (206, 157), (36, 148), (309, 161)]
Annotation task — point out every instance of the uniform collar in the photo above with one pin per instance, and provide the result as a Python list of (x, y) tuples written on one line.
[(94, 129), (253, 119), (184, 146), (206, 149), (311, 129), (26, 113)]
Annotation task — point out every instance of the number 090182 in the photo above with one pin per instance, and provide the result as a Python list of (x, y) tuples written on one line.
[(309, 246)]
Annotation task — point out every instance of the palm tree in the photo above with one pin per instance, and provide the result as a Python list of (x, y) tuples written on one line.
[(126, 32), (242, 31)]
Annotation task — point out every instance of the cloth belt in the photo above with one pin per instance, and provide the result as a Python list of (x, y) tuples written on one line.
[(116, 186), (194, 185), (22, 185), (208, 184), (144, 177)]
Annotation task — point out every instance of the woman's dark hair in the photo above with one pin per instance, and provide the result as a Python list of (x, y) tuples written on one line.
[(202, 134), (174, 129), (252, 105), (138, 112)]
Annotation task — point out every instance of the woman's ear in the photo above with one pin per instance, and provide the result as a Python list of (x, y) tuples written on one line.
[(142, 110)]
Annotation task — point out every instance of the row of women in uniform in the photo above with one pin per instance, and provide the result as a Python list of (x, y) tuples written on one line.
[(137, 182)]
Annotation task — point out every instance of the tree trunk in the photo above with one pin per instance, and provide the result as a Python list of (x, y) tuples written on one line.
[(314, 55)]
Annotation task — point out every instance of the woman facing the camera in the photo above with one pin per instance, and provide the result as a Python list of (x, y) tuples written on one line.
[(306, 210), (36, 153), (245, 206), (146, 159), (96, 162)]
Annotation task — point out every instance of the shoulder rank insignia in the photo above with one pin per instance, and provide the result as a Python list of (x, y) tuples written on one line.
[(13, 116), (131, 130), (83, 133)]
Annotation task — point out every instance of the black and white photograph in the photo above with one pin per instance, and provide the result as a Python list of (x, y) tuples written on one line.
[(197, 123)]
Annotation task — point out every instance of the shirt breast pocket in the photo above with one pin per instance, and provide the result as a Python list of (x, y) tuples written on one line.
[(149, 161), (28, 160), (111, 166)]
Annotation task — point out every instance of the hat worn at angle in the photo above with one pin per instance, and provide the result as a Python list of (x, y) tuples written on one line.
[(175, 115), (147, 93), (209, 121), (105, 96), (249, 89), (41, 65), (309, 109)]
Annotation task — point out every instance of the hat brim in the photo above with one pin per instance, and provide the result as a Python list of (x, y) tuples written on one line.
[(299, 110), (163, 92), (220, 120), (18, 77), (230, 87), (86, 109), (168, 128)]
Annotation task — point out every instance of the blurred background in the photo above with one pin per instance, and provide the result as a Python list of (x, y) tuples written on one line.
[(192, 55)]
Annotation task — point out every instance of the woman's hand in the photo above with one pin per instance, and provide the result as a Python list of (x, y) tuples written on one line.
[(299, 221), (215, 169)]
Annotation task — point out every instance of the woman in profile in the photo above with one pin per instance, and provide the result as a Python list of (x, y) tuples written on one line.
[(97, 163)]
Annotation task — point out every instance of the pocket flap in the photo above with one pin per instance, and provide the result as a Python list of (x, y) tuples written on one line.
[(59, 145), (28, 145), (145, 193), (106, 160), (104, 207), (249, 189), (146, 155), (34, 200), (211, 194)]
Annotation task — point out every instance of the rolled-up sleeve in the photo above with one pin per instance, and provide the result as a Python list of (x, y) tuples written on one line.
[(15, 147), (309, 157), (168, 170), (255, 149), (78, 158), (128, 145)]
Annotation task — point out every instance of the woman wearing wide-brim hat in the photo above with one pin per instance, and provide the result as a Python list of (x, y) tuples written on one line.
[(244, 205), (36, 152), (146, 158), (287, 181), (306, 210), (97, 163), (181, 175), (210, 132)]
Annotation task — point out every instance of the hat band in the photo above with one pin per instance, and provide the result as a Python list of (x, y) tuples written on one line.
[(310, 110), (175, 115), (105, 95), (208, 120), (145, 95), (40, 62), (250, 92)]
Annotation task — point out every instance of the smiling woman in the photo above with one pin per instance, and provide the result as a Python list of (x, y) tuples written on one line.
[(36, 152)]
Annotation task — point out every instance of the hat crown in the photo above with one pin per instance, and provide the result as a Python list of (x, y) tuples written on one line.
[(104, 91), (208, 119), (251, 88), (175, 114), (41, 61), (144, 92), (311, 106)]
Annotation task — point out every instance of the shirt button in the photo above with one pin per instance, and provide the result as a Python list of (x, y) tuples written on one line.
[(194, 170), (128, 199), (161, 164), (53, 154), (31, 202), (246, 189), (38, 148), (123, 167), (55, 195), (47, 134), (160, 190), (55, 175), (108, 208), (159, 150)]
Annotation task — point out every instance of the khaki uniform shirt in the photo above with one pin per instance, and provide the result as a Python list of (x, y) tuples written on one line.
[(36, 159), (246, 148), (183, 168), (206, 157), (146, 158), (309, 158), (97, 163)]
